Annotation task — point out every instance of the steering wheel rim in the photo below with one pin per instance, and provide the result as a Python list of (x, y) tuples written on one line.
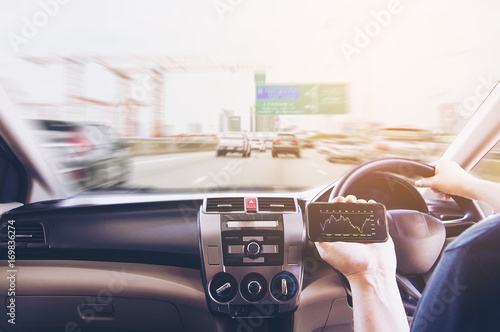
[(396, 165), (407, 168)]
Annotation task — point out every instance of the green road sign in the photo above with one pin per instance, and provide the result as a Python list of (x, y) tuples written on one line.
[(306, 99), (259, 78)]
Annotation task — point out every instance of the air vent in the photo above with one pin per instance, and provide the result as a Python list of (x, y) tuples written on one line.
[(225, 204), (28, 235), (276, 204)]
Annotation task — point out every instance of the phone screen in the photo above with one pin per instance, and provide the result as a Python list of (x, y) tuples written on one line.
[(354, 222)]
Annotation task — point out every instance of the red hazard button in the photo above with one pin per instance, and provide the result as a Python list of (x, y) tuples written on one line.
[(251, 204)]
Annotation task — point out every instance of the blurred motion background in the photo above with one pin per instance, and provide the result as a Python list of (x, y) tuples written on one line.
[(132, 95)]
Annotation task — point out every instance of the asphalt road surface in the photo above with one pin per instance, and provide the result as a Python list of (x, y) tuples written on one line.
[(205, 170)]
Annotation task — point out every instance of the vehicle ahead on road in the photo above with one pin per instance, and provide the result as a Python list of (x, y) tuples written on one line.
[(85, 155), (257, 144), (233, 142), (345, 150), (321, 146), (112, 160), (285, 143), (307, 143), (412, 143)]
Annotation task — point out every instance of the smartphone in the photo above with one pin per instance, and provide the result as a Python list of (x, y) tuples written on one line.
[(351, 222)]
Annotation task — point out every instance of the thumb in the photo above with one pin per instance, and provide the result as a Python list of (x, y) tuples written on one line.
[(425, 182), (320, 248)]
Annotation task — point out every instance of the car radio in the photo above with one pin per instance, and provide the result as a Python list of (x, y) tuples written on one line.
[(252, 242), (252, 259)]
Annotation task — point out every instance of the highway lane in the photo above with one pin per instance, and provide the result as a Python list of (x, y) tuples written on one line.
[(204, 170)]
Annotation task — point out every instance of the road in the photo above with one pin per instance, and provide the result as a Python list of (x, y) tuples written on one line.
[(205, 170)]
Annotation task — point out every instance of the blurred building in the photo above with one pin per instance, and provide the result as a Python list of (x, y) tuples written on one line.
[(134, 99)]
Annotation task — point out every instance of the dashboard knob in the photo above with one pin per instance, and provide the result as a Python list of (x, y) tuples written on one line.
[(254, 287), (223, 287), (284, 286), (253, 248)]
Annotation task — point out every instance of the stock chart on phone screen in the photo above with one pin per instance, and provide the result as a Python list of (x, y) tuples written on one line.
[(353, 223)]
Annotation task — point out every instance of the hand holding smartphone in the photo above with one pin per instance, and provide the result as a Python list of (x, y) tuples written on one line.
[(350, 222)]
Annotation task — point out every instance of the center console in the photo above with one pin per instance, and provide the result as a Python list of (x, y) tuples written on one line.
[(252, 255)]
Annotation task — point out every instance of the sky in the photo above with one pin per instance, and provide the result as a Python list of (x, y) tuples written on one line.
[(402, 59)]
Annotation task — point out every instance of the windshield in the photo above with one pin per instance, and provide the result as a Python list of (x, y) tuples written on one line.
[(142, 94)]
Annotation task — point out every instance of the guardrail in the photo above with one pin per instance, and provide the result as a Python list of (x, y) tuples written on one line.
[(154, 146)]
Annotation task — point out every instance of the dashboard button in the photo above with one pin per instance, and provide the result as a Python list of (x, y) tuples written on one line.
[(293, 255), (270, 249), (251, 204), (235, 249), (213, 255), (256, 260)]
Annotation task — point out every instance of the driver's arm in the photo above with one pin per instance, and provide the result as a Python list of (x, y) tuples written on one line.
[(371, 271), (451, 179)]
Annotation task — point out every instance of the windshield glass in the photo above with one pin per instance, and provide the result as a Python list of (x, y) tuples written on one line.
[(138, 94)]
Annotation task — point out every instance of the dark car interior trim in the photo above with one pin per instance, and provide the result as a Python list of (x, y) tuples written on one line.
[(162, 233), (13, 177)]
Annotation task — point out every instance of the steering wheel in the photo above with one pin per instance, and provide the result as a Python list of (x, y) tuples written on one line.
[(411, 231), (405, 167), (395, 165)]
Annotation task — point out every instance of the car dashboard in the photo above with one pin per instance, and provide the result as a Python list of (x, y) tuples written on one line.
[(162, 263), (93, 261)]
